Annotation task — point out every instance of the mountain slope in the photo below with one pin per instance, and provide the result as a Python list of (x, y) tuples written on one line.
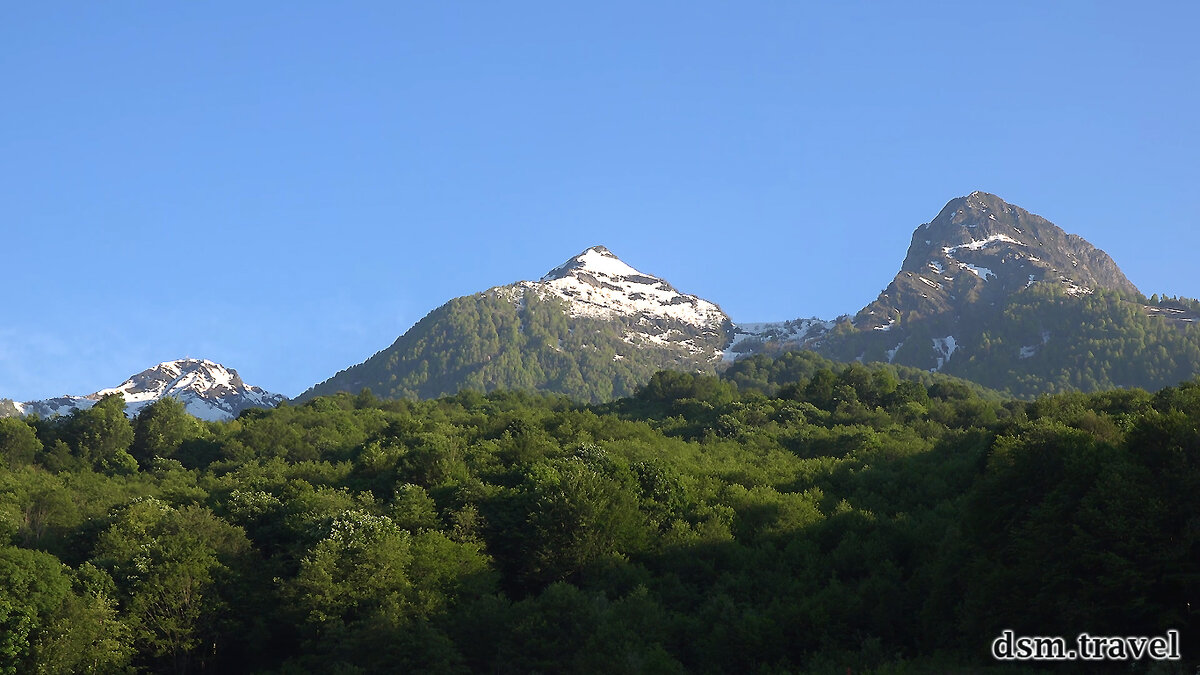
[(987, 292), (997, 295), (208, 391), (593, 328)]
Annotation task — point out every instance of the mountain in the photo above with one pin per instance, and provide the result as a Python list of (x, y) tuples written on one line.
[(992, 293), (987, 292), (980, 249), (593, 328), (208, 391)]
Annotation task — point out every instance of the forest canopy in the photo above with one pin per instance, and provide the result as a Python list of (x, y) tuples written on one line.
[(790, 515)]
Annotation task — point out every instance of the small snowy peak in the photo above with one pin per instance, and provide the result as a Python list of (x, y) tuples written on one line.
[(595, 260), (207, 389)]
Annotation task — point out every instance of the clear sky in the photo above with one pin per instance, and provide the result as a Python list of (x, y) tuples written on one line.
[(286, 187)]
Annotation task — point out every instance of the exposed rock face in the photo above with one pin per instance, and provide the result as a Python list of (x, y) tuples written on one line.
[(980, 248), (944, 310)]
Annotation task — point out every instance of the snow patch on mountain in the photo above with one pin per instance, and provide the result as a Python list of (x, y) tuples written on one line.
[(978, 244), (10, 408), (944, 348), (749, 337), (981, 272)]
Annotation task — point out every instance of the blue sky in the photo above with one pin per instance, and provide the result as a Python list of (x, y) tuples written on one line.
[(287, 187)]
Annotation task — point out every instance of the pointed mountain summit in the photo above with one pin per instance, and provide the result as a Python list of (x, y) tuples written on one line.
[(992, 293), (207, 390), (595, 260), (981, 248), (598, 284), (593, 327)]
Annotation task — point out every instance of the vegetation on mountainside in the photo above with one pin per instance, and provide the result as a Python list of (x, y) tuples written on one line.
[(1043, 341), (486, 342), (790, 517)]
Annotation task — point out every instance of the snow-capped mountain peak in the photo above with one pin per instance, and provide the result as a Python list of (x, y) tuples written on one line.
[(207, 389), (595, 260), (596, 283)]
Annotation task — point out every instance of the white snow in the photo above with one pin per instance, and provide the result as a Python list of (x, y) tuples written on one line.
[(931, 284), (1029, 351), (597, 284), (981, 272), (891, 353), (944, 348), (937, 267), (978, 244), (596, 259), (796, 331)]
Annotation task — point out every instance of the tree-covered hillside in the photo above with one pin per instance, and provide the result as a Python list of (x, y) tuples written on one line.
[(792, 517), (486, 341)]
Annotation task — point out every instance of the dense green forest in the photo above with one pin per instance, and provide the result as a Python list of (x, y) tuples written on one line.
[(790, 516)]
